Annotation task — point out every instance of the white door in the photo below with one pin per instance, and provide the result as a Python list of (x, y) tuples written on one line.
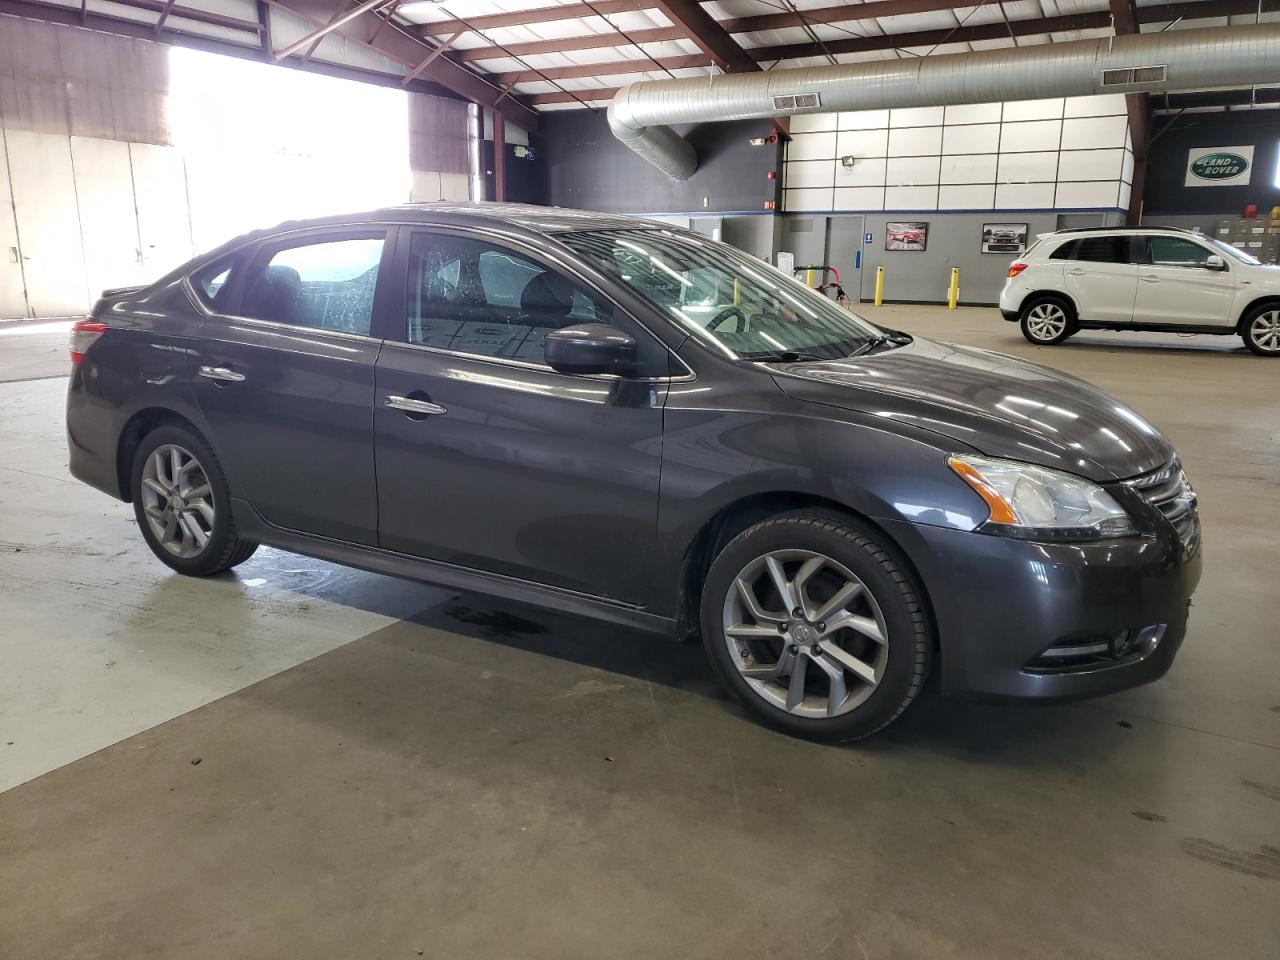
[(164, 222), (13, 291), (108, 221), (1175, 286), (1102, 279), (44, 205)]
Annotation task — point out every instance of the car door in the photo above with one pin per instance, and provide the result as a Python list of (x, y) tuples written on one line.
[(489, 459), (1176, 286), (284, 376), (1102, 278)]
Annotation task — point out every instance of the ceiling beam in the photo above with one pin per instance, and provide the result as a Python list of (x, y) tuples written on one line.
[(618, 68), (569, 11), (589, 42), (560, 96), (710, 37), (340, 19)]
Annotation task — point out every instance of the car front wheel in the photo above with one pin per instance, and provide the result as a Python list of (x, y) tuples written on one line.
[(183, 504), (811, 621), (1047, 320), (1261, 330)]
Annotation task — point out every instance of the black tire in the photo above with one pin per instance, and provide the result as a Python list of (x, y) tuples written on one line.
[(861, 551), (1049, 305), (1259, 331), (224, 548)]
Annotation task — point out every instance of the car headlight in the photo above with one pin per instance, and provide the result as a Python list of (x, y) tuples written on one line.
[(1036, 503)]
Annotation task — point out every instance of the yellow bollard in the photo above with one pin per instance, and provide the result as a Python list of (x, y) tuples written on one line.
[(879, 285), (954, 293), (808, 279)]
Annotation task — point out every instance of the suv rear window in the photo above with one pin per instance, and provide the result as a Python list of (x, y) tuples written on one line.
[(1114, 249)]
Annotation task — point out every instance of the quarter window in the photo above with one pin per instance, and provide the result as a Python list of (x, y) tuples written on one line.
[(210, 283), (1175, 252), (474, 297), (325, 284)]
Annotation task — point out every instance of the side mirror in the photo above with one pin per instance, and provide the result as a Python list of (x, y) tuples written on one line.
[(589, 348), (1214, 262)]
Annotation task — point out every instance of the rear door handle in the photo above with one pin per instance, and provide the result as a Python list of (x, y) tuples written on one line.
[(1077, 272), (221, 373), (410, 405), (1150, 279)]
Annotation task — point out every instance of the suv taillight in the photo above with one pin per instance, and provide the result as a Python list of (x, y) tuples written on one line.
[(83, 334), (1016, 268)]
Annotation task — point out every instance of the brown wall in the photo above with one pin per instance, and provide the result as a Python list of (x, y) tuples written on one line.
[(437, 134)]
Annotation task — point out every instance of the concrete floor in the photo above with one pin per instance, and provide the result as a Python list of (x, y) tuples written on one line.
[(302, 760)]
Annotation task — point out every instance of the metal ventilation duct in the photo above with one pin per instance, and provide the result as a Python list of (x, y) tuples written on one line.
[(1173, 60)]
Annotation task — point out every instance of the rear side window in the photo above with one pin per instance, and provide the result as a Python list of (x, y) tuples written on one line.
[(326, 284), (1102, 249)]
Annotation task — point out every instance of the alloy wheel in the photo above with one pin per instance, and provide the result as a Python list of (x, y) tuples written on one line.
[(1045, 321), (1264, 331), (177, 500), (805, 634)]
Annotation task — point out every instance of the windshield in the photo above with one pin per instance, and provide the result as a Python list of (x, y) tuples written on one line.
[(1234, 251), (733, 301)]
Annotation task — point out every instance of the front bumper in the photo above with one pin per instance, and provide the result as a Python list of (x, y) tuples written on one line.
[(1001, 604)]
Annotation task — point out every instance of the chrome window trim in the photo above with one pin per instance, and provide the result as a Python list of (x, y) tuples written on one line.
[(687, 377)]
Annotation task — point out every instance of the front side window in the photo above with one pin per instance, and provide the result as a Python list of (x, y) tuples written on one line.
[(325, 284), (472, 296), (739, 304), (1175, 252)]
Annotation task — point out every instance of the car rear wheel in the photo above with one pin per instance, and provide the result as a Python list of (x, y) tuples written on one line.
[(811, 621), (1047, 320), (183, 504), (1261, 330)]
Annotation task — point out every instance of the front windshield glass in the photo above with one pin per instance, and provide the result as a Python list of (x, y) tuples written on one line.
[(1234, 251), (733, 301)]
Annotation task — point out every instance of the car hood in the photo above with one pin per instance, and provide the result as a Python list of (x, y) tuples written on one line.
[(996, 404)]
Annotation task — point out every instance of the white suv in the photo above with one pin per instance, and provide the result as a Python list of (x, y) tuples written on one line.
[(1142, 278)]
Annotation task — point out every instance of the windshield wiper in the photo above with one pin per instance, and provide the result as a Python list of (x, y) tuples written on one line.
[(787, 356), (880, 340)]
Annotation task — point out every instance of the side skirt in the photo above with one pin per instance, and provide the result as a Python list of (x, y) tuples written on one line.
[(251, 526), (1160, 327)]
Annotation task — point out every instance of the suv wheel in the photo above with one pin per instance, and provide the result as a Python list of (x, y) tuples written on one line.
[(183, 503), (1261, 330), (813, 624), (1047, 320)]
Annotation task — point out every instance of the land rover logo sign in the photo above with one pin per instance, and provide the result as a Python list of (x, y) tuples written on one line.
[(1219, 166)]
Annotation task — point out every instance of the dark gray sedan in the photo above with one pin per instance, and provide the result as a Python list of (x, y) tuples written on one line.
[(629, 421)]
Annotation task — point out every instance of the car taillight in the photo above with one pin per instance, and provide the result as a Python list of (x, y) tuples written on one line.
[(1016, 268), (83, 334)]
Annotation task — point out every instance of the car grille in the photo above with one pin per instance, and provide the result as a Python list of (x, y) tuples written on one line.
[(1168, 490)]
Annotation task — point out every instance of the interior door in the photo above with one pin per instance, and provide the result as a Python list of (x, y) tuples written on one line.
[(1175, 286), (497, 462), (108, 219), (44, 206), (1102, 278), (13, 290), (283, 372), (164, 218), (845, 251)]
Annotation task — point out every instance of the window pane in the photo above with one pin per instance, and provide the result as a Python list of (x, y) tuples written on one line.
[(1103, 249), (1064, 252), (1176, 252), (475, 297), (211, 282), (326, 285)]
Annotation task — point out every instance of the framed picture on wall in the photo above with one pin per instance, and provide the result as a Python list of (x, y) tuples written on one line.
[(1004, 237), (910, 236)]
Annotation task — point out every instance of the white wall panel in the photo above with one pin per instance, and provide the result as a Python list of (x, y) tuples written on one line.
[(911, 171), (1086, 132), (807, 199), (1032, 135), (911, 198), (108, 220), (1088, 195), (1027, 168), (863, 173), (13, 292), (915, 142), (812, 146), (864, 120), (973, 113), (916, 117), (1091, 164), (1033, 110), (1024, 196), (972, 169), (1103, 105), (811, 173), (808, 122), (164, 221), (1126, 169), (1125, 193), (863, 143), (972, 196), (859, 198), (971, 138)]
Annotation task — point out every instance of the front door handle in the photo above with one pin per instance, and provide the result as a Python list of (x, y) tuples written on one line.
[(411, 405), (1150, 279), (221, 373)]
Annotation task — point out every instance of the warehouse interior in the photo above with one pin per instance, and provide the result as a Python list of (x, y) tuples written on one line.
[(299, 756)]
